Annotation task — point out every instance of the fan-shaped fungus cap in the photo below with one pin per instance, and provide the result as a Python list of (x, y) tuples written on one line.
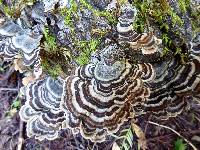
[(98, 98), (41, 110), (28, 42), (15, 40), (127, 17), (7, 30)]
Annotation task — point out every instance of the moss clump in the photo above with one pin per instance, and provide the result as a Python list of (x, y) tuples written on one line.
[(71, 13), (53, 58), (86, 48), (142, 18), (195, 20), (50, 41), (108, 15), (7, 10), (54, 70), (158, 10), (184, 5), (55, 63), (68, 13)]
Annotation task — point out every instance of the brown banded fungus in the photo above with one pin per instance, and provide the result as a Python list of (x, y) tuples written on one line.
[(42, 108), (98, 98), (174, 86), (146, 42)]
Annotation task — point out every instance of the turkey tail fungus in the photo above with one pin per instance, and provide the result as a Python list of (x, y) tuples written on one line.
[(98, 98), (42, 108)]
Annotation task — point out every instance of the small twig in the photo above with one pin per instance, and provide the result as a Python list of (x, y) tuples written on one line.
[(166, 127), (74, 135), (145, 129), (8, 74), (197, 118), (21, 138), (186, 122), (9, 89), (172, 134)]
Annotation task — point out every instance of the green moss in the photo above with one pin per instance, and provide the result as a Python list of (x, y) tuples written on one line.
[(71, 13), (50, 41), (53, 58), (195, 21), (68, 13), (165, 52), (99, 32), (86, 48), (175, 19), (183, 5), (160, 12), (166, 39), (55, 63), (121, 2), (52, 70), (8, 11), (164, 27), (108, 15), (142, 18), (16, 104)]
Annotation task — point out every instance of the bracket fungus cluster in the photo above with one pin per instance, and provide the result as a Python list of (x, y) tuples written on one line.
[(42, 108), (175, 84), (97, 98)]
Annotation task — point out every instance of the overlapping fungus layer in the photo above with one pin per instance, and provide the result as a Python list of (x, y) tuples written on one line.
[(174, 85), (42, 108), (98, 98)]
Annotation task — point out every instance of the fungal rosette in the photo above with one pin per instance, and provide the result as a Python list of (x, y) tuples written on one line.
[(98, 98), (146, 42), (175, 84), (42, 108)]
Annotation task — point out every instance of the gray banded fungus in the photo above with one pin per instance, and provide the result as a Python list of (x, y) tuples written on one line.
[(28, 43), (15, 41), (98, 98), (42, 108), (146, 42), (7, 30)]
